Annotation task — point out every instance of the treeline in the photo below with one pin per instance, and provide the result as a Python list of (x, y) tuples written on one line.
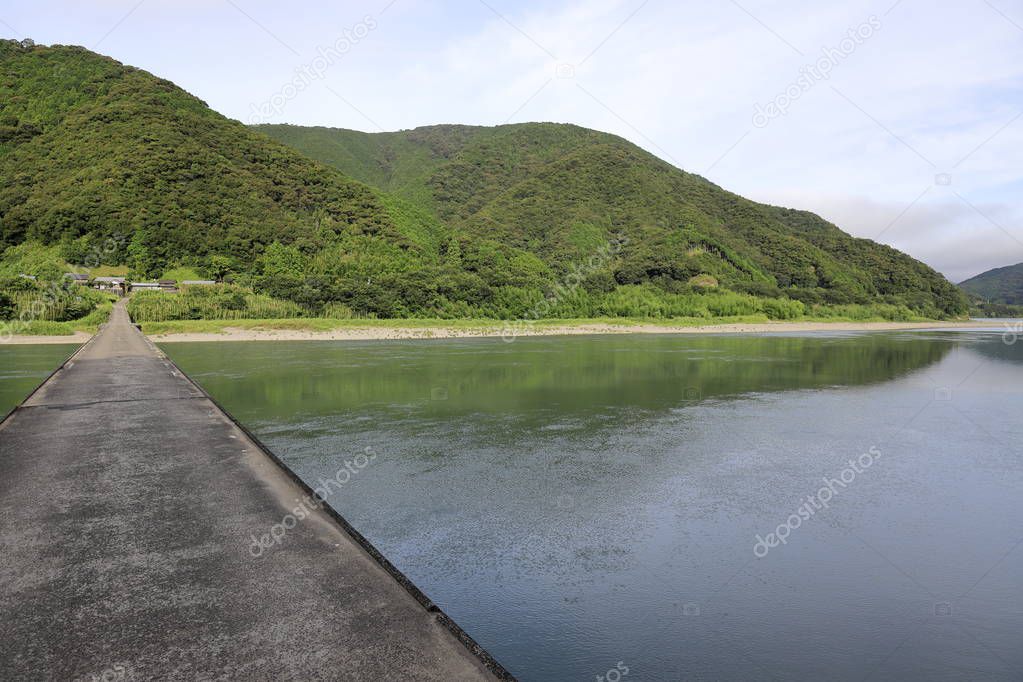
[(989, 309)]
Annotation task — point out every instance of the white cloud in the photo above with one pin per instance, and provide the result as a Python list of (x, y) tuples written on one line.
[(941, 229)]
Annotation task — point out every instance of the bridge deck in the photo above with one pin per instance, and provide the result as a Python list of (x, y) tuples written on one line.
[(128, 502)]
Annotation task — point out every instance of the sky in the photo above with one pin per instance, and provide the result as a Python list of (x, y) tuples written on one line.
[(899, 120)]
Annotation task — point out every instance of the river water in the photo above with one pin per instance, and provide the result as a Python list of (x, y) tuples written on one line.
[(789, 507), (23, 367)]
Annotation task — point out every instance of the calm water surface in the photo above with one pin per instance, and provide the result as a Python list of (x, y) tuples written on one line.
[(23, 367), (582, 503)]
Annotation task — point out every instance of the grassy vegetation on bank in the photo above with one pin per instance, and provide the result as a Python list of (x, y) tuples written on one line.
[(50, 306), (633, 301), (212, 309), (482, 326), (89, 324)]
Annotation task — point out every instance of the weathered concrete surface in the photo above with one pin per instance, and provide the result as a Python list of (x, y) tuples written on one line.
[(127, 505)]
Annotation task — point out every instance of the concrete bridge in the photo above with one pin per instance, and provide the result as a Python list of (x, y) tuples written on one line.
[(128, 502)]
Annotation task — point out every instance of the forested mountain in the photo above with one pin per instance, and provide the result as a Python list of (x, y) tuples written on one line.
[(92, 148), (557, 190), (450, 221), (1000, 285)]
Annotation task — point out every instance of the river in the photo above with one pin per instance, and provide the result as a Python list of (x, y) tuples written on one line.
[(805, 506)]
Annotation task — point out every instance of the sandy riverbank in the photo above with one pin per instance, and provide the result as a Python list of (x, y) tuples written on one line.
[(77, 337), (371, 333), (376, 333)]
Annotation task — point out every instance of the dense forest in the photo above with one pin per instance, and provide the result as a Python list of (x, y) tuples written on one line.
[(557, 191), (104, 164)]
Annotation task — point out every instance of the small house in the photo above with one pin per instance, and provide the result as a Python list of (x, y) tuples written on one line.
[(145, 286), (115, 284), (77, 278), (197, 282), (168, 284)]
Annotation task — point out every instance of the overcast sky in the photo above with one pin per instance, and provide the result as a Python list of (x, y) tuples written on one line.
[(899, 121)]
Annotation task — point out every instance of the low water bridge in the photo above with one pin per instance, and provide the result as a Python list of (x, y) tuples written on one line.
[(128, 502)]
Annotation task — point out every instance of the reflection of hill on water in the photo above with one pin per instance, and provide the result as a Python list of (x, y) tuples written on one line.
[(571, 375)]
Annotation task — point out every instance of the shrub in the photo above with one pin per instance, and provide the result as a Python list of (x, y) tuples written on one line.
[(728, 304), (337, 311), (884, 311), (707, 281), (8, 308), (783, 308)]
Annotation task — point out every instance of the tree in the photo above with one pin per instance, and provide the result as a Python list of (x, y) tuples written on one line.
[(453, 255), (141, 258), (219, 267), (281, 261)]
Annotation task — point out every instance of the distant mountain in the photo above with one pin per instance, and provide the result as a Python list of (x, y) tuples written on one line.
[(448, 221), (557, 190), (1000, 285)]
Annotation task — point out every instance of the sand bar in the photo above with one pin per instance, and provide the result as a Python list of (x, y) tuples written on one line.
[(371, 333)]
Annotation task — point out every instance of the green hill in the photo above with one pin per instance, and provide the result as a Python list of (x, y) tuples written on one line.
[(90, 147), (559, 190), (108, 163), (1000, 285)]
